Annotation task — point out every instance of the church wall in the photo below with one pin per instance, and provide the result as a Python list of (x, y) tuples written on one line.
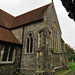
[(18, 33), (57, 60), (50, 17), (10, 68), (29, 60)]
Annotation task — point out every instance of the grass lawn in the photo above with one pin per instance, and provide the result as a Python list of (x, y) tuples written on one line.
[(71, 66)]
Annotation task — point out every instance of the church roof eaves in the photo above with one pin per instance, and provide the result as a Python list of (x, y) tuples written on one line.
[(10, 21), (31, 16), (7, 36)]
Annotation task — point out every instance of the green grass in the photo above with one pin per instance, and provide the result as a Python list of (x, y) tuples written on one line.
[(72, 67)]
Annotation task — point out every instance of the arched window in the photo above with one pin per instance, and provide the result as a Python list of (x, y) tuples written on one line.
[(55, 42), (29, 43)]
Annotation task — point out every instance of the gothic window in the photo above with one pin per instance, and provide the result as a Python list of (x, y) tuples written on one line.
[(7, 54), (29, 43), (55, 41)]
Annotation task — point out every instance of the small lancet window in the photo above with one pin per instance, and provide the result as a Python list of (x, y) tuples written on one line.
[(29, 43)]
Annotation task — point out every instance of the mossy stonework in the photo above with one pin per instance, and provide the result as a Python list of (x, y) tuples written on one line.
[(42, 49)]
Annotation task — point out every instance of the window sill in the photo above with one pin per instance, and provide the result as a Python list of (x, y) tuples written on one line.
[(11, 62)]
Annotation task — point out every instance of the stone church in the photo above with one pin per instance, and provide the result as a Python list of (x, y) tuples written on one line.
[(31, 43)]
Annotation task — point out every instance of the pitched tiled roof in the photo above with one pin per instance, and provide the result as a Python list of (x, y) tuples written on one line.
[(6, 19), (10, 21), (7, 36), (31, 16)]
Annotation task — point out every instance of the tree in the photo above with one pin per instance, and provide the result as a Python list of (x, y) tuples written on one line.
[(70, 52), (70, 7)]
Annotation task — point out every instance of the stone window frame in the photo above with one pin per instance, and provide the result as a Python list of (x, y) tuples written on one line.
[(55, 39), (29, 44), (7, 61)]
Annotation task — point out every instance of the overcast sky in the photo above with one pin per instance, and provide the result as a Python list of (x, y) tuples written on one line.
[(18, 7)]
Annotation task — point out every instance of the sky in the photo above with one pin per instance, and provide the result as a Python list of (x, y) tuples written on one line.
[(18, 7)]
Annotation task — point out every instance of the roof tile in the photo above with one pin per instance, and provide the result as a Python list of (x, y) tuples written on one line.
[(6, 19), (6, 35), (30, 16)]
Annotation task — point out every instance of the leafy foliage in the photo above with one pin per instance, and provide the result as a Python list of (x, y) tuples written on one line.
[(70, 7), (70, 52)]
